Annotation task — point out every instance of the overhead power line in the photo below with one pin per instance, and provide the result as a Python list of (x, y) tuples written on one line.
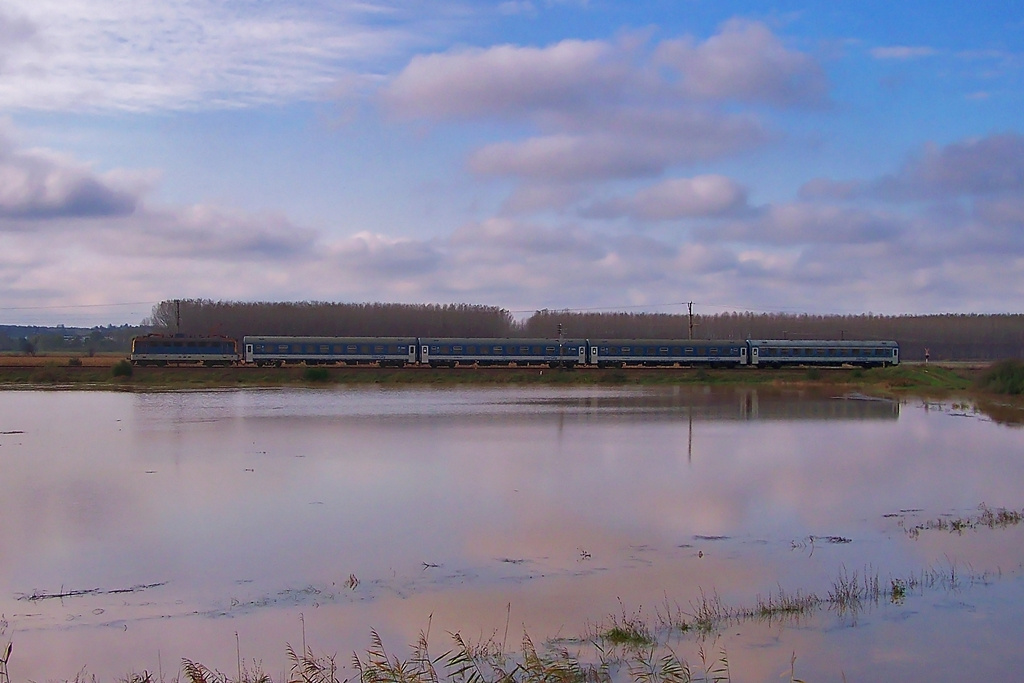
[(50, 308)]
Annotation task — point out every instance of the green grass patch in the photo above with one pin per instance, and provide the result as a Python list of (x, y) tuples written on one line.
[(122, 368), (1005, 377), (316, 374)]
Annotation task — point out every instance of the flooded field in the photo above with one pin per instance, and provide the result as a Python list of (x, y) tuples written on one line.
[(140, 529)]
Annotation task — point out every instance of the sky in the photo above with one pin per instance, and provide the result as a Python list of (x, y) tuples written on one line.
[(800, 157)]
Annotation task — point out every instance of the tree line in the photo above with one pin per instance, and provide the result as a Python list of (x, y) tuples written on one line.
[(942, 337)]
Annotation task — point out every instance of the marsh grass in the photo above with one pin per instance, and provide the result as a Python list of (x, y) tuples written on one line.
[(628, 630), (997, 518), (1005, 377), (625, 648)]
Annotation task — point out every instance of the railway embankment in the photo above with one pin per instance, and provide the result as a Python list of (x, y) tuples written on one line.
[(993, 389)]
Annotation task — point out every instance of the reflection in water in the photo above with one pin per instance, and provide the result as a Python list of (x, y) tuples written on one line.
[(170, 522)]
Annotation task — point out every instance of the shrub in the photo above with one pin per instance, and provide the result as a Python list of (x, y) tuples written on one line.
[(316, 374), (1005, 377), (74, 362), (122, 368)]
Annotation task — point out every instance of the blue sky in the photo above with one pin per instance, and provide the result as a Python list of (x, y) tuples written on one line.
[(566, 154)]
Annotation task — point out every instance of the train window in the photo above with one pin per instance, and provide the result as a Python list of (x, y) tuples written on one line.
[(689, 351), (550, 350), (880, 352), (498, 350), (625, 349), (456, 349), (663, 351), (325, 349), (379, 348), (713, 351), (352, 348), (446, 349)]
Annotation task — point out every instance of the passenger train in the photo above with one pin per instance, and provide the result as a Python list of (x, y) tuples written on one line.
[(155, 349)]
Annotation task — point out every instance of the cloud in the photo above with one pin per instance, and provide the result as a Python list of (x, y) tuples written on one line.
[(505, 81), (378, 255), (978, 166), (94, 55), (601, 109), (620, 144), (676, 198), (499, 238), (745, 62), (15, 31), (901, 52), (41, 185), (808, 224)]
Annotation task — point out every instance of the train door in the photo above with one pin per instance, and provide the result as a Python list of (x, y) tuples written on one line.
[(743, 355), (425, 353), (248, 353), (593, 355), (412, 353), (753, 355)]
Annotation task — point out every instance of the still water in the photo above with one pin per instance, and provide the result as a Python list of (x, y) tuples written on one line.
[(140, 529)]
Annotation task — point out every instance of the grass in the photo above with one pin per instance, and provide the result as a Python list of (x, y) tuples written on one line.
[(626, 648), (1005, 377), (89, 371), (998, 518)]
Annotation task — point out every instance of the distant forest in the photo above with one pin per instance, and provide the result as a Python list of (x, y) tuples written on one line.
[(945, 337)]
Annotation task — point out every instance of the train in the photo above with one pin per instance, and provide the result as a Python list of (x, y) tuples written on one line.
[(450, 352)]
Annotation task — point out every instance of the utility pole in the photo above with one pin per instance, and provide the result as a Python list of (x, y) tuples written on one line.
[(689, 307), (177, 316)]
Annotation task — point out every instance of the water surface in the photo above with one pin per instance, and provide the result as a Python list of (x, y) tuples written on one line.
[(180, 524)]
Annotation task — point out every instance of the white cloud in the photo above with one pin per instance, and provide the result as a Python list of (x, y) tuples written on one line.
[(621, 144), (139, 56), (745, 62), (808, 224), (676, 198), (505, 80), (902, 52), (823, 256), (38, 184), (976, 167)]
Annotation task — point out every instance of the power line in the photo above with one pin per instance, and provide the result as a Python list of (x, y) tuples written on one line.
[(50, 308)]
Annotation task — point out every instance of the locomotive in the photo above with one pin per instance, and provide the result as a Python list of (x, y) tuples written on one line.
[(155, 349)]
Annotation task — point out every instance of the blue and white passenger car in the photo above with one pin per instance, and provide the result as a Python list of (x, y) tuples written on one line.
[(667, 352), (383, 351), (452, 351), (782, 352)]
